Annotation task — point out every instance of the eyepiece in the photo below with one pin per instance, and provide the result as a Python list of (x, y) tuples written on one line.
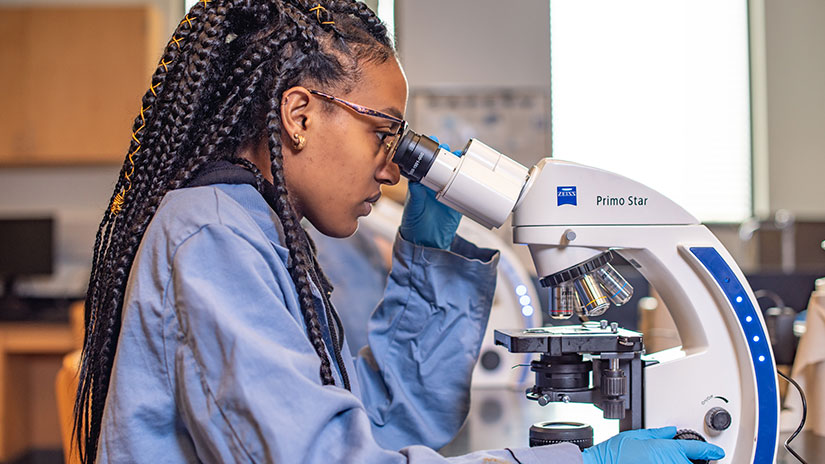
[(481, 183), (415, 155)]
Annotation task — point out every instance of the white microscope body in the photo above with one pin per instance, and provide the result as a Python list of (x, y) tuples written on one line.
[(569, 213)]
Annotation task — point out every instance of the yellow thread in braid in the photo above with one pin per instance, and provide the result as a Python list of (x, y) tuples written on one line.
[(117, 203), (317, 9)]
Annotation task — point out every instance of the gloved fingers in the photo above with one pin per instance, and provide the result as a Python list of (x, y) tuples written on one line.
[(417, 194), (662, 432), (695, 449), (440, 145), (445, 146), (417, 189), (646, 434)]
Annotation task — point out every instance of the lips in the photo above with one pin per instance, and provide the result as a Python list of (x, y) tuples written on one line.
[(373, 198)]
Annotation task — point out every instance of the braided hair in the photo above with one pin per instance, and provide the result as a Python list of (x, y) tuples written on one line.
[(218, 88)]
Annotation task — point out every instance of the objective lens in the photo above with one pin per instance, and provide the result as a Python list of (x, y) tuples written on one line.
[(593, 301), (564, 301), (617, 288)]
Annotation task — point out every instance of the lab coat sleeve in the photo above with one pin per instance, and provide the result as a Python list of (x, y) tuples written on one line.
[(246, 377), (424, 339)]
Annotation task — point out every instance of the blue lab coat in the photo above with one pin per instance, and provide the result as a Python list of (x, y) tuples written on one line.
[(213, 362)]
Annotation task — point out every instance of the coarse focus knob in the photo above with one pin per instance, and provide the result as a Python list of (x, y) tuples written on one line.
[(614, 383), (688, 434), (718, 419)]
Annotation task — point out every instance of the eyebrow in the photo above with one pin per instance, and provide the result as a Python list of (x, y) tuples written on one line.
[(393, 111)]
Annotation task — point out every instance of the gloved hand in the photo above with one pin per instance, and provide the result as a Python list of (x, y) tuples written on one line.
[(426, 221), (650, 446)]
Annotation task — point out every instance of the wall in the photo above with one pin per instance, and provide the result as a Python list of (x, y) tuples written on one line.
[(795, 39), (474, 43)]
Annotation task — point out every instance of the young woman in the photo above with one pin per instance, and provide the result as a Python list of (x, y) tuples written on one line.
[(210, 334)]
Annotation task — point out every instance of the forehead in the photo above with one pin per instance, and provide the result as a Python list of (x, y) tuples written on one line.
[(382, 87)]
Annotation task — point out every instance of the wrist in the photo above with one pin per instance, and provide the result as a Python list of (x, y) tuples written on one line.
[(410, 235)]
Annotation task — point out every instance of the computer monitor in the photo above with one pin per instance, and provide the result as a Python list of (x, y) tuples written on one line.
[(26, 249)]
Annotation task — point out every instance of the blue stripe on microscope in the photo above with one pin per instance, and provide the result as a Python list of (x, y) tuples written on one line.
[(620, 290), (760, 350)]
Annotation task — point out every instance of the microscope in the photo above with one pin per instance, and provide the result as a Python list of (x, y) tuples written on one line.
[(719, 385)]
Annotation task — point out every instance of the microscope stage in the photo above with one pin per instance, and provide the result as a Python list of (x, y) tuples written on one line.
[(559, 340)]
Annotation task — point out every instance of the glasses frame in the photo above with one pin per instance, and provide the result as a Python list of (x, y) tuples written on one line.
[(394, 138)]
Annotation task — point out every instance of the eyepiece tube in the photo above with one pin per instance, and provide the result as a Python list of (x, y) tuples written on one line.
[(482, 184)]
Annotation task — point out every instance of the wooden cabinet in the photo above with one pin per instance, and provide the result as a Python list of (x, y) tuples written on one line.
[(71, 80), (30, 356)]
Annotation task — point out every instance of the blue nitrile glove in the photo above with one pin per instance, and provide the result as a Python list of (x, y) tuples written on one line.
[(426, 221), (650, 446)]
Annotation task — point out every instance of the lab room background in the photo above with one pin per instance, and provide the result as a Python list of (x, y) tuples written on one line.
[(719, 105)]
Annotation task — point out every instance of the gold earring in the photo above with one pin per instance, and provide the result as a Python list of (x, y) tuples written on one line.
[(298, 141)]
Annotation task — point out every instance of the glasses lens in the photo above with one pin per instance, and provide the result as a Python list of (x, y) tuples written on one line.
[(392, 141)]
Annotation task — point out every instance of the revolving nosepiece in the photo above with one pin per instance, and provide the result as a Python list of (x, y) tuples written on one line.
[(587, 288)]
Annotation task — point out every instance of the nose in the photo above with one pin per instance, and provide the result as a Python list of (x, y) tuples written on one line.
[(388, 173)]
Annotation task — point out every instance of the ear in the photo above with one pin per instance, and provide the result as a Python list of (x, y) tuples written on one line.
[(296, 113)]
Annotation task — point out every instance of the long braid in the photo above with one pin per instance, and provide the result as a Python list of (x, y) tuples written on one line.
[(299, 261), (94, 376), (217, 87), (294, 234)]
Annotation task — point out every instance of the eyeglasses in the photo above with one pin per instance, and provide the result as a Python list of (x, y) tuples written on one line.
[(391, 139)]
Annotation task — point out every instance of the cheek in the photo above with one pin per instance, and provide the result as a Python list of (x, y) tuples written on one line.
[(343, 178)]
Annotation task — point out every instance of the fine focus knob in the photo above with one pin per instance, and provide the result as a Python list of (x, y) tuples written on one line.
[(613, 408), (688, 434), (717, 419)]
